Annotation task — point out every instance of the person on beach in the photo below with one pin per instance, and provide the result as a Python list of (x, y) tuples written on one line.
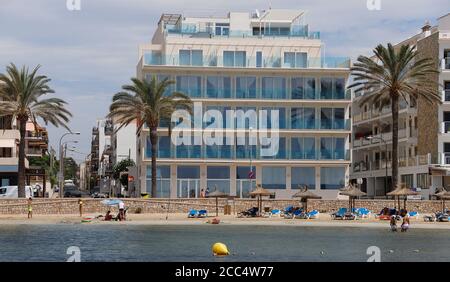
[(108, 216), (121, 211), (80, 206), (393, 224), (202, 193), (405, 224), (207, 192), (30, 207)]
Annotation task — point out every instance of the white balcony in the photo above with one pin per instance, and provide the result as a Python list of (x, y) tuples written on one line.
[(445, 64), (9, 134)]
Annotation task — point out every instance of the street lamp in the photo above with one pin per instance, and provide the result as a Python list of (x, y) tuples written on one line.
[(61, 161), (385, 156)]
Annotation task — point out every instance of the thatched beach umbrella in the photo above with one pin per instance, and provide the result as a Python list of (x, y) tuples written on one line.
[(352, 192), (260, 192), (443, 195), (304, 194), (217, 194), (402, 190)]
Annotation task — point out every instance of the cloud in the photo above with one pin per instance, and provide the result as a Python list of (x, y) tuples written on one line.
[(90, 53)]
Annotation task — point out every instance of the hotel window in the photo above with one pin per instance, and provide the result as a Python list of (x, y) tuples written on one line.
[(303, 176), (191, 151), (209, 120), (243, 148), (219, 151), (218, 87), (332, 148), (6, 122), (270, 115), (222, 29), (326, 88), (303, 88), (259, 59), (423, 180), (332, 178), (162, 150), (295, 60), (191, 57), (303, 118), (274, 177), (276, 154), (245, 87), (339, 84), (218, 178), (332, 118), (162, 181), (244, 185), (234, 59), (188, 181), (5, 153), (408, 179), (303, 148), (273, 88), (190, 85), (171, 88)]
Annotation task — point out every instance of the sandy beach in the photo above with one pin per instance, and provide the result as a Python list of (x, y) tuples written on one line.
[(180, 219)]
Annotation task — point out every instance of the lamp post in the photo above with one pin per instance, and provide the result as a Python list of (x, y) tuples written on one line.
[(61, 161), (385, 156)]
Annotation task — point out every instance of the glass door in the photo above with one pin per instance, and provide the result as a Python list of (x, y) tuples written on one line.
[(244, 187), (188, 188)]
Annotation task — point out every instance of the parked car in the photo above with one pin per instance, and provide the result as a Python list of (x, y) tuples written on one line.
[(72, 191), (98, 195)]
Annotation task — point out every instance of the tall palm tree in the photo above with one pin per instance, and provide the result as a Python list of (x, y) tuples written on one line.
[(393, 75), (21, 96), (148, 103)]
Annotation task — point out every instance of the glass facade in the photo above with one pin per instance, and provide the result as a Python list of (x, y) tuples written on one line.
[(234, 59), (191, 57), (301, 176), (303, 118), (244, 185), (162, 181), (332, 178), (273, 87), (332, 148), (218, 178), (218, 87), (303, 148), (295, 60), (246, 87), (303, 88), (190, 85), (274, 177)]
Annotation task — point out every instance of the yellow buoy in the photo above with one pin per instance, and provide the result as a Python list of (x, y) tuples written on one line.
[(219, 249)]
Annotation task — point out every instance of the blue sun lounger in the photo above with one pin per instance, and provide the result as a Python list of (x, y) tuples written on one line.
[(340, 214), (192, 213), (202, 213)]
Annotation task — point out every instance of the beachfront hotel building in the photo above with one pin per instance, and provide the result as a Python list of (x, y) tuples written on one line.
[(269, 60), (424, 129)]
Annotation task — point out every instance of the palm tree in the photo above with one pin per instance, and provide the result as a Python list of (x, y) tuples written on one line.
[(21, 95), (395, 75), (148, 103)]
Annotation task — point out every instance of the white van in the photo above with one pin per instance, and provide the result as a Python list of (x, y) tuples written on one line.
[(11, 192)]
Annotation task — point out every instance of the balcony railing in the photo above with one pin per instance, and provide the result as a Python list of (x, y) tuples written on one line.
[(402, 162), (246, 62), (387, 137), (376, 113), (201, 30)]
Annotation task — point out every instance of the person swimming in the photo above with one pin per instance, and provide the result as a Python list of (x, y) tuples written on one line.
[(393, 223), (405, 223)]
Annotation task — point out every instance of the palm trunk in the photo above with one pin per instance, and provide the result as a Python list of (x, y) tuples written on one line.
[(394, 141), (154, 141), (21, 174)]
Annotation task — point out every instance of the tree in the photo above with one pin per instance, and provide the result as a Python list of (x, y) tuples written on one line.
[(120, 168), (148, 103), (45, 163), (395, 75), (21, 96)]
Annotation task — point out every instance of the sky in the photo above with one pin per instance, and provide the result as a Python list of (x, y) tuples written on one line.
[(90, 53)]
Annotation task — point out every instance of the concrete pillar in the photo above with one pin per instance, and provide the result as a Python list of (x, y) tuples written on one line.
[(317, 178), (203, 178), (173, 181), (233, 180)]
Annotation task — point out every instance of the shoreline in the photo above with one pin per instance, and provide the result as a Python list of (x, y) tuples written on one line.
[(181, 219)]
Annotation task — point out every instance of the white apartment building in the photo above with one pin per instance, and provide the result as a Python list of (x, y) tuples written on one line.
[(9, 151), (269, 61), (424, 136)]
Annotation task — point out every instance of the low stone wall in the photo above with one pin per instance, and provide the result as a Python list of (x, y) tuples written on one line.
[(70, 206)]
